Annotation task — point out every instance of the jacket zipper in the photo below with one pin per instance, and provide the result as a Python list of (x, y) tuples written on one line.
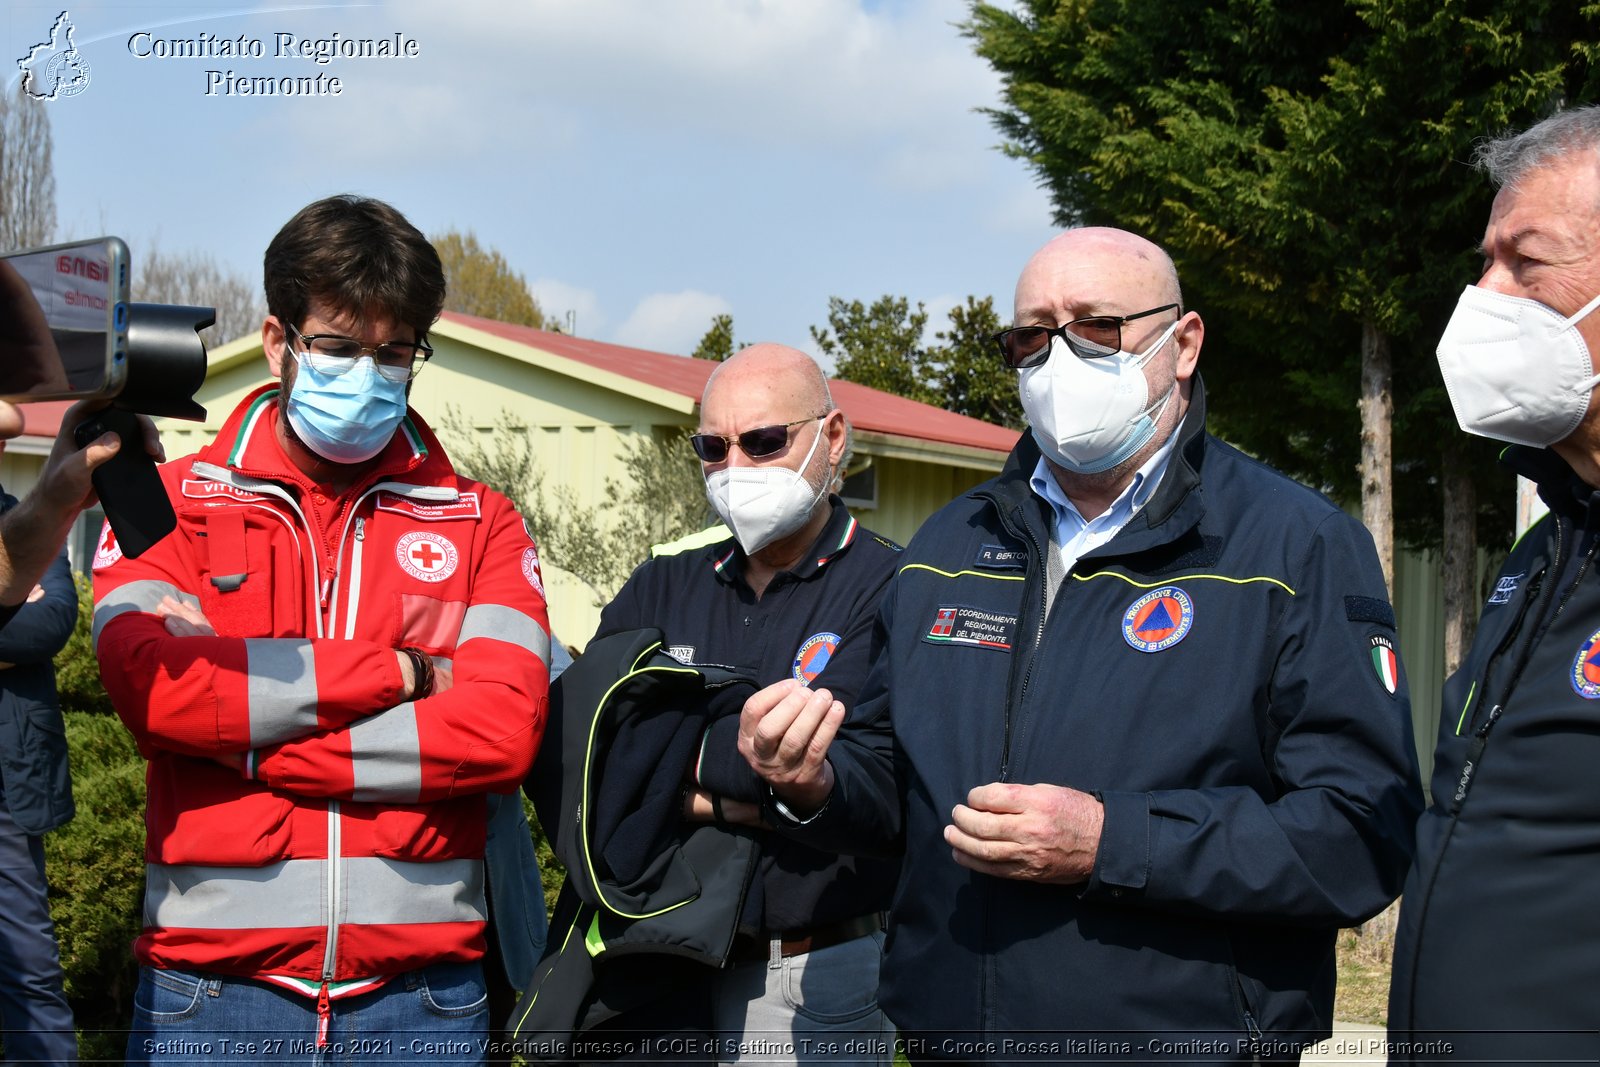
[(1005, 736), (1033, 655), (438, 494), (330, 594), (1033, 649), (1480, 734), (326, 588), (354, 598), (335, 899)]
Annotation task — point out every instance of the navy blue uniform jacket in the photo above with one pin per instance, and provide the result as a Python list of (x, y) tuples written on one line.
[(1216, 675), (814, 623), (33, 739), (1497, 959)]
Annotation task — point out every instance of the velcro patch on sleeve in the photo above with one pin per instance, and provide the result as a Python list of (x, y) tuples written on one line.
[(1369, 609)]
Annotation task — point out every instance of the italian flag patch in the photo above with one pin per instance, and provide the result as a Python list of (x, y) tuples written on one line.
[(1385, 663)]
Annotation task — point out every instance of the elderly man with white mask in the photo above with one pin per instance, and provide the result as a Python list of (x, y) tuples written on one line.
[(1496, 957), (1138, 716), (791, 595)]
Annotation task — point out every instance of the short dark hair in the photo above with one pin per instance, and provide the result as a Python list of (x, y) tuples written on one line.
[(359, 255)]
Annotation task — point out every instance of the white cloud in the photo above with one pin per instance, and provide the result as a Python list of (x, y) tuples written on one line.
[(671, 322), (894, 83), (938, 309), (557, 299), (1021, 205)]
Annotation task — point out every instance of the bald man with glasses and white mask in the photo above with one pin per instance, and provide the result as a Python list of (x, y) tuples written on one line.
[(1138, 718), (791, 595)]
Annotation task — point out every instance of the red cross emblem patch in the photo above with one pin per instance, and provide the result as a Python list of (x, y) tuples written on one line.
[(428, 557), (107, 551)]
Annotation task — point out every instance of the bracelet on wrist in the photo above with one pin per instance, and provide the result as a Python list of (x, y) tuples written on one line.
[(421, 672)]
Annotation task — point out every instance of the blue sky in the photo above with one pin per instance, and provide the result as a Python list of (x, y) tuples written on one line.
[(646, 164)]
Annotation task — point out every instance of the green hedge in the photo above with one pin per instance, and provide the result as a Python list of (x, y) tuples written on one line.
[(77, 672), (95, 864)]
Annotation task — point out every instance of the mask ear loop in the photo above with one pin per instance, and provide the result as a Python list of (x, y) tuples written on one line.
[(1167, 335), (1588, 384), (1590, 306)]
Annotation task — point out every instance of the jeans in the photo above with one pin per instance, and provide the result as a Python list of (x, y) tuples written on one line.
[(820, 1007), (435, 1015), (33, 1008)]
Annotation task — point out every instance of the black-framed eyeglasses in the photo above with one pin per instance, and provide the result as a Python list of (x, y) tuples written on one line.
[(1092, 337), (333, 354), (758, 443)]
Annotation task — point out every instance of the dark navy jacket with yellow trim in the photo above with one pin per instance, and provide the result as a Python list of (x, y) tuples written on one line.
[(1220, 674), (1497, 959), (814, 623)]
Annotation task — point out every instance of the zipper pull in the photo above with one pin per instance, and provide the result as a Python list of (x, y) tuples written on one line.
[(324, 1016), (361, 529), (327, 590), (1254, 1031), (1480, 738)]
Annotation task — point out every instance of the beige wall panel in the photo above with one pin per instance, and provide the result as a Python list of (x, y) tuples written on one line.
[(909, 492)]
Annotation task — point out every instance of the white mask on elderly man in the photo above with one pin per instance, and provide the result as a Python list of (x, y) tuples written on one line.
[(1516, 370), (763, 504), (1088, 415)]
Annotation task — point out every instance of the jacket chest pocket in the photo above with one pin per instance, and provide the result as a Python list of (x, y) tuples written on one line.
[(250, 586), (418, 578)]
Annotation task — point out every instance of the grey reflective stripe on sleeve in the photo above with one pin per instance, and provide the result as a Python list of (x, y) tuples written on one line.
[(292, 894), (505, 624), (386, 756), (142, 596), (282, 689)]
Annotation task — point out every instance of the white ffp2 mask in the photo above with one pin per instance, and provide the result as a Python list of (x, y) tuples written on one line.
[(1516, 370), (1088, 415), (763, 504)]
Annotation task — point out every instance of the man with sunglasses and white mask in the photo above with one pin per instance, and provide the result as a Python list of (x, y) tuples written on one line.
[(793, 595), (329, 665), (1496, 955), (1138, 706)]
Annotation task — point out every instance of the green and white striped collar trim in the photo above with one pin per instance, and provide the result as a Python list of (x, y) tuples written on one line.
[(252, 419), (311, 987)]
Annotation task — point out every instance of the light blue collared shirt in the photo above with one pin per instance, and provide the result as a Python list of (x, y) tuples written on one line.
[(1074, 536)]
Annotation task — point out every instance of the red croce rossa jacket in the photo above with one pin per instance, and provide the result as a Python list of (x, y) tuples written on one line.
[(302, 819)]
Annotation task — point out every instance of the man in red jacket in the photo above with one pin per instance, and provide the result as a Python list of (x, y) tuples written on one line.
[(335, 657)]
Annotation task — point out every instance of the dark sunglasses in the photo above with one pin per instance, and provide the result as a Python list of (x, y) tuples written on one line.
[(758, 443), (1094, 337)]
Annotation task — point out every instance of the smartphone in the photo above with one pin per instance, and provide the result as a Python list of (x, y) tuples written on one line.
[(64, 321)]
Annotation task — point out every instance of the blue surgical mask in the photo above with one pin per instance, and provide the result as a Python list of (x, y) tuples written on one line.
[(348, 417)]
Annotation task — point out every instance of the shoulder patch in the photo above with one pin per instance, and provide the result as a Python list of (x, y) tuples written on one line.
[(813, 655), (1158, 620), (530, 569), (1385, 662), (106, 551)]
